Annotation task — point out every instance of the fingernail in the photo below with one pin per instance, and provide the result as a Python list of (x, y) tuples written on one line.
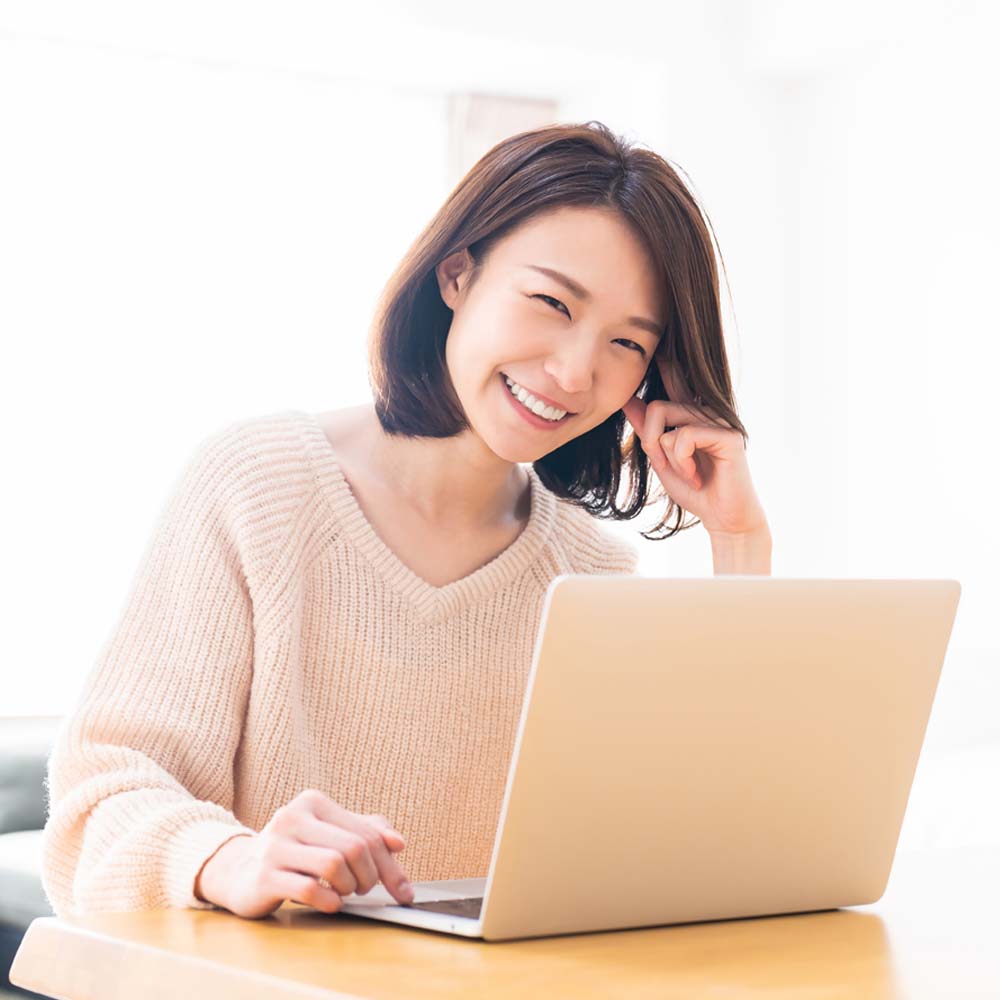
[(406, 891)]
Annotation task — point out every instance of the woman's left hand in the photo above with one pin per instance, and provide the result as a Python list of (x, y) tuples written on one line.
[(703, 466)]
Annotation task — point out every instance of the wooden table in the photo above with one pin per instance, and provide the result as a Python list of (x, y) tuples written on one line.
[(935, 933)]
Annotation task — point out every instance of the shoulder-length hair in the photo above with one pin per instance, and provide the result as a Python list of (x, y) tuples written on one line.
[(528, 173)]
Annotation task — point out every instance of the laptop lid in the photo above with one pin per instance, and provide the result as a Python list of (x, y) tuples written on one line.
[(713, 748)]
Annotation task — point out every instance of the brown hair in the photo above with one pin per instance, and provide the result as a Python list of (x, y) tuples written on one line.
[(520, 177)]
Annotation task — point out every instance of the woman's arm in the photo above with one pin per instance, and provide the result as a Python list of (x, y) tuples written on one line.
[(742, 553), (140, 779)]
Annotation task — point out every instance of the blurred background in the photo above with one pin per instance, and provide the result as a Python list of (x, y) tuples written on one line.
[(199, 203)]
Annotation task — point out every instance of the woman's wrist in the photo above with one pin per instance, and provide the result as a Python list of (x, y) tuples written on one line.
[(746, 553), (210, 882)]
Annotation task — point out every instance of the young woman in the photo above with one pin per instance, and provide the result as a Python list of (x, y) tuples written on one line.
[(334, 620)]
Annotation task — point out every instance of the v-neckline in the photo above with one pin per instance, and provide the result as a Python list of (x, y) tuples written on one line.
[(428, 601)]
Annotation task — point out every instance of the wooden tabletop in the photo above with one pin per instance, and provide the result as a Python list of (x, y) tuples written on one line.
[(935, 933)]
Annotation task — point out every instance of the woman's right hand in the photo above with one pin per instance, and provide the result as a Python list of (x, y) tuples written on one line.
[(311, 837)]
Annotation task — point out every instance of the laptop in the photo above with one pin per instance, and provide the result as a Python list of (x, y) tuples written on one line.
[(702, 749)]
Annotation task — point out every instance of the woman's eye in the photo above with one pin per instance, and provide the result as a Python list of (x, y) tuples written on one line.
[(634, 347), (548, 298)]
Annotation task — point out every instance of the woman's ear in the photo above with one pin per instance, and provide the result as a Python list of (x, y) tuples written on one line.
[(449, 276)]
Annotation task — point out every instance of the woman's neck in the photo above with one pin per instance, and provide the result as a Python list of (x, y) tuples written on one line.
[(447, 481)]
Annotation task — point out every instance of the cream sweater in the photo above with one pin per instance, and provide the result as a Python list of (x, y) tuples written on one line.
[(271, 642)]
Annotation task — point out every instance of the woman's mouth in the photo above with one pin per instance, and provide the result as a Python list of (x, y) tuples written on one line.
[(539, 420)]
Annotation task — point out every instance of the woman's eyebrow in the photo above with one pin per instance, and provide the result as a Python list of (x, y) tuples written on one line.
[(581, 293)]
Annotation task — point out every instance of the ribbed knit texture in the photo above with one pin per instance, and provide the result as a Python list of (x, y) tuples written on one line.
[(271, 642)]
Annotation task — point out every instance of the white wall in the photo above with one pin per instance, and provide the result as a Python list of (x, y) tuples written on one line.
[(185, 242), (893, 346)]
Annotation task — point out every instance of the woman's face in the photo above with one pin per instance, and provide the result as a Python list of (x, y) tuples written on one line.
[(582, 345)]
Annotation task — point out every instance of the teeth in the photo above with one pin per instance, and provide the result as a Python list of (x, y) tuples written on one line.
[(535, 405)]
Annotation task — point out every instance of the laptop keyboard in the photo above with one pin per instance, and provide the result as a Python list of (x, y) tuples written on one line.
[(459, 907)]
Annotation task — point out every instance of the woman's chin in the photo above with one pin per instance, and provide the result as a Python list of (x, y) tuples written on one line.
[(515, 455), (520, 453), (508, 447)]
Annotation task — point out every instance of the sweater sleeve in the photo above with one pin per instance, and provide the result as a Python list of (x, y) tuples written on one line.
[(140, 777)]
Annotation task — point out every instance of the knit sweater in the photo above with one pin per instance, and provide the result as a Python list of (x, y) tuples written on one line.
[(271, 642)]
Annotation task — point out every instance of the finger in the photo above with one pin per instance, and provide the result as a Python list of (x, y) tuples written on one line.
[(673, 481), (389, 871), (322, 837), (304, 889), (653, 425), (341, 866), (667, 443), (680, 449), (648, 427), (658, 457)]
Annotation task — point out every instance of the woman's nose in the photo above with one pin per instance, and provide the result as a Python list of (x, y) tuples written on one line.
[(573, 368)]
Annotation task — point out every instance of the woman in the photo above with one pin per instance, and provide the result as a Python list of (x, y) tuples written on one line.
[(334, 620)]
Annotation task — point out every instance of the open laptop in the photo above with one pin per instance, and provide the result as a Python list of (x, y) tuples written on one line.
[(702, 749)]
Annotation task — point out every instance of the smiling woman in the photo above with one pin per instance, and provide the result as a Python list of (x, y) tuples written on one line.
[(565, 261), (331, 631)]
